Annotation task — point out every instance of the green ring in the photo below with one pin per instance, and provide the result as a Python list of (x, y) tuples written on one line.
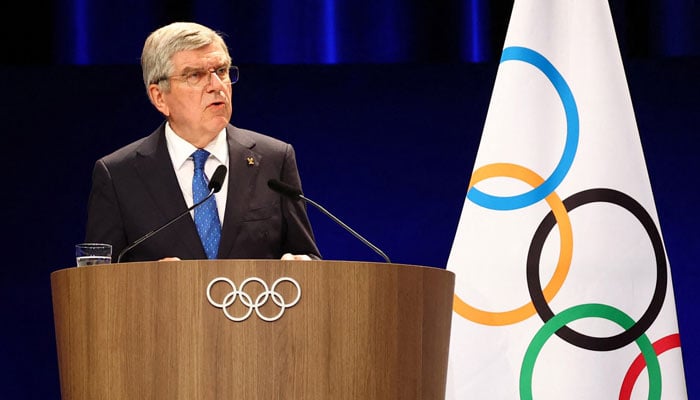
[(587, 311)]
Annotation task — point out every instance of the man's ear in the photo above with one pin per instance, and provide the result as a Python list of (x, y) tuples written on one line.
[(155, 93)]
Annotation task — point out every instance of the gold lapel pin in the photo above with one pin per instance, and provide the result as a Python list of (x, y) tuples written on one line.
[(250, 160)]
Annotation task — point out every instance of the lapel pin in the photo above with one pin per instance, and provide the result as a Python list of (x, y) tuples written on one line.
[(250, 160)]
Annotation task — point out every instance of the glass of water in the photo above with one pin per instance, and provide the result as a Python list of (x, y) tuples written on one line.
[(93, 254)]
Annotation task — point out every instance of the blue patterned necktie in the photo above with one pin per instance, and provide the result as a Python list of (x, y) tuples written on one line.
[(206, 218)]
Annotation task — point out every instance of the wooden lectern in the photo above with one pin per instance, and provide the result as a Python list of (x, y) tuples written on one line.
[(252, 329)]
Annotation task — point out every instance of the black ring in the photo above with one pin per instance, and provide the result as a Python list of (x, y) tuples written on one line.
[(657, 300)]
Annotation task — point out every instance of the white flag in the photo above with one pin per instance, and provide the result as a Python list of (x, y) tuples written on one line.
[(563, 288)]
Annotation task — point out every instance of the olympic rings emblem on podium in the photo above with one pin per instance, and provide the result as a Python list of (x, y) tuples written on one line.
[(267, 293)]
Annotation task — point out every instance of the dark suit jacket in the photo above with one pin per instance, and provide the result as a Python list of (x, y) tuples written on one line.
[(135, 190)]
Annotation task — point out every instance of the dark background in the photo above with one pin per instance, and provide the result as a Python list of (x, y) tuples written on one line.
[(383, 100)]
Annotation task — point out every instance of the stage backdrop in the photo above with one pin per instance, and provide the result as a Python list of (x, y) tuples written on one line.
[(384, 101), (387, 148)]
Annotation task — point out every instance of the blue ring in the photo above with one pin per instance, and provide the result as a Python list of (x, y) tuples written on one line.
[(572, 134)]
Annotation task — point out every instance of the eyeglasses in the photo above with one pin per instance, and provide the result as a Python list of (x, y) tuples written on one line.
[(198, 78)]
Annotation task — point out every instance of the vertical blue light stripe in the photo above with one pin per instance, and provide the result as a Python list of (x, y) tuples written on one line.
[(279, 41), (475, 31), (476, 49), (330, 38), (80, 40), (676, 28)]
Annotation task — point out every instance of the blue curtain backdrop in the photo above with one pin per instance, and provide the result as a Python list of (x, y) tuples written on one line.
[(341, 31), (379, 98)]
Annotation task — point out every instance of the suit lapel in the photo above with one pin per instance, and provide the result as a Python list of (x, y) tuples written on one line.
[(243, 171), (155, 169)]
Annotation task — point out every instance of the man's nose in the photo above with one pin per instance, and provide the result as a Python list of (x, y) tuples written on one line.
[(214, 81)]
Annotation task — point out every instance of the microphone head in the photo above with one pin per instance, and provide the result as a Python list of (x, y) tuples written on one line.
[(217, 179), (284, 188)]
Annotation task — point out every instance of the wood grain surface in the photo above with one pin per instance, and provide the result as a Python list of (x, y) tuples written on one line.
[(147, 331)]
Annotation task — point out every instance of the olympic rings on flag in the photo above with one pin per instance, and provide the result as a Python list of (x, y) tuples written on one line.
[(247, 301), (559, 216)]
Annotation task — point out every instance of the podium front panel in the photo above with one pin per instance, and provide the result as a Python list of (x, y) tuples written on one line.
[(252, 329)]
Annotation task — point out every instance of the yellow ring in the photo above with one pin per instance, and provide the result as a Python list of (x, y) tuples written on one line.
[(566, 246)]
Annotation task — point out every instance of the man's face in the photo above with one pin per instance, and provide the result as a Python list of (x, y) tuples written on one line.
[(196, 112)]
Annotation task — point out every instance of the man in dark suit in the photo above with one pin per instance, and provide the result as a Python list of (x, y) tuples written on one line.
[(188, 76)]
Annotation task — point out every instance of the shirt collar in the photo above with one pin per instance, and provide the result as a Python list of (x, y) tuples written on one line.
[(181, 150)]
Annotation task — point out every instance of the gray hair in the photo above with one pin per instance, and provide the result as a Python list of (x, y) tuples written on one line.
[(162, 44)]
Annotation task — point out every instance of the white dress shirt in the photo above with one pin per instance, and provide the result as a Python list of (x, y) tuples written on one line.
[(181, 155)]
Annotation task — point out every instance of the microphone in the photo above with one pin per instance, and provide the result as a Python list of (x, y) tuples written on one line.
[(217, 179), (295, 194)]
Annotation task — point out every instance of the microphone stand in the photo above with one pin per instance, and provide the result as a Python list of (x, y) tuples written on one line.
[(341, 223), (153, 232)]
